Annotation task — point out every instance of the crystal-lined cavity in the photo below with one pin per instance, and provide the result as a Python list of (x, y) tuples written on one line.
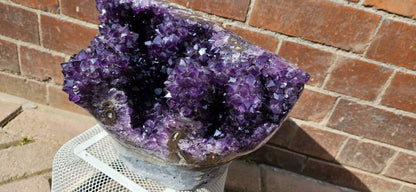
[(180, 87)]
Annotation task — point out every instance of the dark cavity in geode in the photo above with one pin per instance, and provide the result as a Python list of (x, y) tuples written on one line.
[(179, 87)]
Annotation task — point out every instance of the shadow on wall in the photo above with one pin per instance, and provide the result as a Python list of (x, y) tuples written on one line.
[(314, 161)]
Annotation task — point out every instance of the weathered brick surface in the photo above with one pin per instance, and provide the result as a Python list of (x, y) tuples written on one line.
[(38, 183), (8, 57), (316, 142), (317, 20), (339, 175), (60, 100), (278, 180), (402, 7), (394, 43), (8, 111), (312, 106), (408, 189), (243, 177), (285, 134), (366, 156), (403, 167), (65, 36), (314, 61), (265, 41), (233, 9), (280, 158), (379, 125), (44, 5), (19, 24), (24, 160), (21, 87), (358, 78), (49, 125), (401, 92), (81, 9), (41, 65)]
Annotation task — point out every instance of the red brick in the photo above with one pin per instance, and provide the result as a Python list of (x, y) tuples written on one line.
[(284, 134), (44, 5), (233, 9), (402, 7), (338, 175), (279, 158), (316, 142), (317, 20), (283, 181), (312, 106), (262, 40), (82, 9), (65, 36), (358, 78), (373, 123), (19, 24), (8, 57), (314, 61), (59, 99), (401, 92), (395, 43), (366, 156), (403, 167), (243, 177), (28, 89), (41, 65)]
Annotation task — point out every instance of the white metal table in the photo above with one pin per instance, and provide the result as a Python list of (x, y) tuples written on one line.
[(89, 162)]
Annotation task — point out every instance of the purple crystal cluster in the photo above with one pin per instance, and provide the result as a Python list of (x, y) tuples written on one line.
[(184, 89)]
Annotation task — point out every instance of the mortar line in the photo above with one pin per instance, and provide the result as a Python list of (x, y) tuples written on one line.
[(350, 168), (361, 2), (396, 111), (389, 162), (60, 7), (325, 120), (384, 88), (19, 59), (33, 46), (279, 45), (379, 24), (352, 136), (330, 69), (341, 148), (250, 9), (56, 16), (40, 30)]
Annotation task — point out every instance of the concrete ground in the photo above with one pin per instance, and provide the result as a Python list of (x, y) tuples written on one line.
[(31, 134)]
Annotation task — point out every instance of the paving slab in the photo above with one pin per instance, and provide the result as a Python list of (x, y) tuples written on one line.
[(243, 176), (7, 140), (39, 183), (28, 159), (48, 124), (8, 111), (280, 180)]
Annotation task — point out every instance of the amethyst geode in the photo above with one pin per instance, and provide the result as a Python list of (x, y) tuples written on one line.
[(179, 87)]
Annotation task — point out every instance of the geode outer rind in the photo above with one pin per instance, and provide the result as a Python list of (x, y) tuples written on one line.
[(181, 88)]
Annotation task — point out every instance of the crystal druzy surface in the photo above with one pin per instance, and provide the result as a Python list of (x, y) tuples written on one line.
[(182, 88)]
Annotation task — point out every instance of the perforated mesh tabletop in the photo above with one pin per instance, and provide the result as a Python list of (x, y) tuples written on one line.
[(89, 163)]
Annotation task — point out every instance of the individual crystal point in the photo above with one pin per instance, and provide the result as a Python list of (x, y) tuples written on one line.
[(183, 89)]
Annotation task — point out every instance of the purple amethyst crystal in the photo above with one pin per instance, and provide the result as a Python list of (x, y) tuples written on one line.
[(184, 89)]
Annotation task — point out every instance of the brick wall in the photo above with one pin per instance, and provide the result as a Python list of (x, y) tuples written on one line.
[(355, 124)]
